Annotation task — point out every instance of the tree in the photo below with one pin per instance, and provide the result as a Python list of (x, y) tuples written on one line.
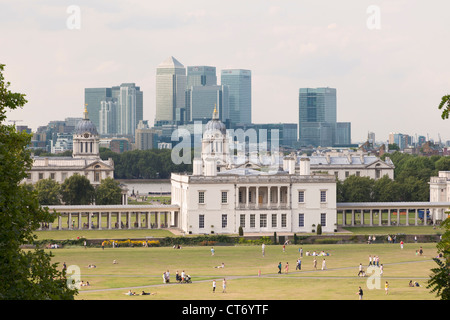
[(439, 281), (24, 274), (77, 190), (108, 192), (48, 192), (445, 106)]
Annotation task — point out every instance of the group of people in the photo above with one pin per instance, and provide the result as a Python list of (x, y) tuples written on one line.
[(179, 277), (224, 285), (143, 293)]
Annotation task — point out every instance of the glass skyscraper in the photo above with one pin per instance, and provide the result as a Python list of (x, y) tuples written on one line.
[(239, 82), (201, 101), (93, 98), (115, 110), (170, 91), (317, 123), (201, 76)]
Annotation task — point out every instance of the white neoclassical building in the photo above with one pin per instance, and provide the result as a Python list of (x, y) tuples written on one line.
[(85, 159), (440, 187), (218, 197)]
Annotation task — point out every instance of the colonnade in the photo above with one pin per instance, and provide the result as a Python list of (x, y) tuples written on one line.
[(117, 217), (383, 214), (263, 197)]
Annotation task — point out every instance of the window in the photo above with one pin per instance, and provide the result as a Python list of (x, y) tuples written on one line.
[(274, 220), (301, 219), (63, 176), (41, 176), (224, 220), (29, 176), (201, 197), (323, 219), (252, 221), (347, 174), (283, 220), (323, 196), (263, 221), (97, 176), (52, 175), (358, 173), (301, 196), (201, 221), (242, 220), (240, 196), (224, 197)]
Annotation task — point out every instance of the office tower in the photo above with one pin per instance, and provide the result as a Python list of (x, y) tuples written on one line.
[(145, 137), (129, 107), (239, 84), (108, 117), (201, 101), (170, 90), (115, 110), (93, 98), (201, 76), (317, 125), (344, 134)]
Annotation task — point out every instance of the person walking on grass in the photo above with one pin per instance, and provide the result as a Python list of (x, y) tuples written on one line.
[(214, 286), (279, 267), (324, 265), (360, 293), (315, 263), (224, 285), (286, 268), (386, 287)]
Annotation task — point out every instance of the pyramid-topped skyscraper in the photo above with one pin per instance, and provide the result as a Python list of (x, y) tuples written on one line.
[(170, 91)]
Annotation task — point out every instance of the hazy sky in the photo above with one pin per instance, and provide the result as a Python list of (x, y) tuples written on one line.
[(389, 78)]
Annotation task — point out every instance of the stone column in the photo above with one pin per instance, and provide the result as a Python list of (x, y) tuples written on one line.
[(109, 220), (247, 194), (119, 220), (80, 224), (371, 217), (269, 190), (99, 221), (389, 217), (257, 198), (89, 214), (278, 197)]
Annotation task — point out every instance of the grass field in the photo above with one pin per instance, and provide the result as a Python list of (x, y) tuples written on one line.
[(140, 269)]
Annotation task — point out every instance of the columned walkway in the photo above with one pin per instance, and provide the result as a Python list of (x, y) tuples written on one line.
[(391, 213), (114, 217)]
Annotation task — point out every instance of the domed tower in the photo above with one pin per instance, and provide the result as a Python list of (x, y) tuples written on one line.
[(215, 142), (86, 139)]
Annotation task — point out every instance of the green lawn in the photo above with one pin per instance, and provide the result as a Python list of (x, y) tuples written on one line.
[(142, 268)]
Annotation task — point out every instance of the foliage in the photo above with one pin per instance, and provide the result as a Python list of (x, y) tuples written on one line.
[(48, 192), (319, 229), (108, 192), (77, 190), (24, 275), (144, 164), (439, 281), (444, 105)]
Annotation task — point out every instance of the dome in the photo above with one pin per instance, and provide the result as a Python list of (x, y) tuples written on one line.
[(86, 125), (215, 124)]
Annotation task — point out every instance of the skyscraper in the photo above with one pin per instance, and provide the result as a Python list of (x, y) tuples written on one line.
[(200, 100), (129, 107), (93, 98), (170, 90), (317, 124), (115, 110), (201, 76), (239, 84)]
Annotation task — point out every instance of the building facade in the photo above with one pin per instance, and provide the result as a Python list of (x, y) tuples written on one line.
[(170, 91), (219, 198), (239, 82), (85, 159)]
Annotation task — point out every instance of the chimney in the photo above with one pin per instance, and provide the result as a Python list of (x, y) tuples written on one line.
[(305, 167)]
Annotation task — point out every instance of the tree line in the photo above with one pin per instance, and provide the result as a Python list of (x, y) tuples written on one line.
[(412, 174), (77, 190), (144, 164)]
